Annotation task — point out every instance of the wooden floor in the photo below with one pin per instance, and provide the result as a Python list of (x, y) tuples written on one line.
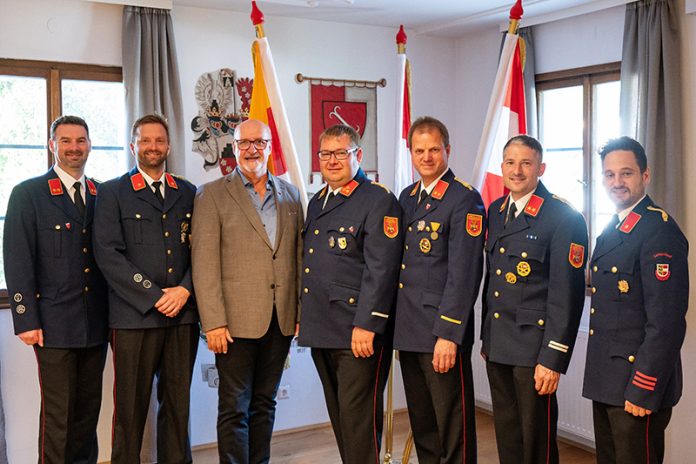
[(318, 446)]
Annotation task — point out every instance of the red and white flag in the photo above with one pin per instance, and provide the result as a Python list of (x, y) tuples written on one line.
[(403, 169), (506, 116), (267, 106)]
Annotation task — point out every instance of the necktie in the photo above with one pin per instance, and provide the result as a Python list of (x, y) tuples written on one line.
[(511, 214), (614, 223), (158, 192), (329, 198), (422, 196), (77, 198)]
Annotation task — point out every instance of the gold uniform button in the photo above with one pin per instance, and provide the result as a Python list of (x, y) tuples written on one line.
[(311, 250), (540, 322), (496, 315), (496, 293), (166, 234), (406, 247), (306, 270), (57, 227), (306, 290), (614, 270), (595, 268), (87, 270), (502, 250), (85, 250), (137, 215), (316, 231), (341, 229), (401, 285), (592, 310), (631, 358), (351, 300), (164, 216), (591, 331), (169, 252), (86, 289), (594, 289), (403, 266), (498, 272), (524, 254), (410, 229), (170, 270), (84, 231)]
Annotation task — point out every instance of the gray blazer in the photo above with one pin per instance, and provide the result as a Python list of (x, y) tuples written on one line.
[(237, 275)]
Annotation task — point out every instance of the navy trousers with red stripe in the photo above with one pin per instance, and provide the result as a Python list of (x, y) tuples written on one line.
[(622, 438), (440, 408), (71, 393), (354, 392), (525, 422)]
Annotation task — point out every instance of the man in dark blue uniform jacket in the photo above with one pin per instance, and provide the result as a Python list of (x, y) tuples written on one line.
[(142, 243), (441, 269), (352, 247), (532, 303), (58, 295), (640, 292)]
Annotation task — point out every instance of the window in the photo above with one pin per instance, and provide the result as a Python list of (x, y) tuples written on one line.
[(578, 112), (32, 95)]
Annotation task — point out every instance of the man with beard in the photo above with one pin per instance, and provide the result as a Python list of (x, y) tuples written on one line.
[(532, 303), (58, 296), (640, 293), (142, 242), (247, 254)]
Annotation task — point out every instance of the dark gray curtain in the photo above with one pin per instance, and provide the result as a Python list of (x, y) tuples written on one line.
[(651, 95), (151, 74), (529, 78)]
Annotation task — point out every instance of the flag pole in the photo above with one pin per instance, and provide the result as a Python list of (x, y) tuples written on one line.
[(257, 20)]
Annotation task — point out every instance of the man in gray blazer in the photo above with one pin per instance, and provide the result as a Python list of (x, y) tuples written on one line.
[(247, 251)]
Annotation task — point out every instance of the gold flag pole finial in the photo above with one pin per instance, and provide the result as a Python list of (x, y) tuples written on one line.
[(257, 20), (516, 13), (401, 39)]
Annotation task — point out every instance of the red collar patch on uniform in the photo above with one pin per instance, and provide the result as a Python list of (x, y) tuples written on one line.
[(439, 190), (630, 222), (137, 181), (576, 255), (415, 189), (91, 187), (534, 205), (348, 189), (55, 187), (171, 182)]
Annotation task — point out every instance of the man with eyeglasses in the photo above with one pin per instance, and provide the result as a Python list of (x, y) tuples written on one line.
[(247, 253), (352, 247), (58, 295), (142, 230), (640, 294), (441, 272)]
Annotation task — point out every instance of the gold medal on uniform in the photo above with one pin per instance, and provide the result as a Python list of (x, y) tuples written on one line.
[(435, 226), (425, 245), (184, 232), (511, 278), (623, 286), (421, 226), (332, 242), (342, 243), (523, 268)]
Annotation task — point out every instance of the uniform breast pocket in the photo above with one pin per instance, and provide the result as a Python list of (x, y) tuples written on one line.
[(622, 278), (528, 258), (343, 236), (184, 228), (136, 224), (52, 238)]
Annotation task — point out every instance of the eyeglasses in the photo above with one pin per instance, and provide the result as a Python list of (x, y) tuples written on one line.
[(325, 155), (259, 144)]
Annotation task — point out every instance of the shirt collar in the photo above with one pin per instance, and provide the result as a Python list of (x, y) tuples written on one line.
[(429, 188), (247, 182), (67, 179), (149, 179), (625, 212)]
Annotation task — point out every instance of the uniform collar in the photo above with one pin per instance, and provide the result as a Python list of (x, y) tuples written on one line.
[(69, 180), (521, 203), (625, 212), (429, 188)]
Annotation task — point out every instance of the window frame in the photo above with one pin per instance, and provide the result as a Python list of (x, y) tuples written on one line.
[(54, 72), (587, 77)]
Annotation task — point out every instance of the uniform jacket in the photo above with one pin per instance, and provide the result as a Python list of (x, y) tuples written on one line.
[(441, 267), (238, 275), (142, 247), (640, 285), (535, 282), (52, 280), (352, 251)]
